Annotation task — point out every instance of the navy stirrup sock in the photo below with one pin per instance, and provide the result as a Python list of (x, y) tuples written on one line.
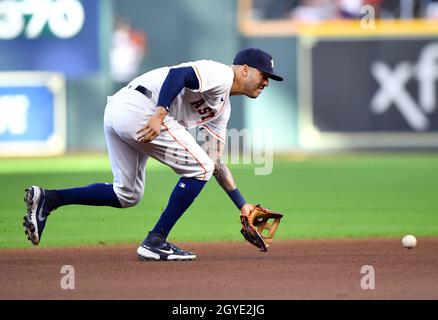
[(97, 194), (183, 195)]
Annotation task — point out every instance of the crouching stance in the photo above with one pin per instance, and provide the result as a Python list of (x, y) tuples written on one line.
[(149, 118)]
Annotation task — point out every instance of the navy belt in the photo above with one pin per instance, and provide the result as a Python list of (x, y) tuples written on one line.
[(143, 90)]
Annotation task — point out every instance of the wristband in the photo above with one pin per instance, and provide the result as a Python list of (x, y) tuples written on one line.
[(237, 198)]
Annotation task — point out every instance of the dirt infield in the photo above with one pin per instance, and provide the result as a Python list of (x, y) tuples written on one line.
[(310, 269)]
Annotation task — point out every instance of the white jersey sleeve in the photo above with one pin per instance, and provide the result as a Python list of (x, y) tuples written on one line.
[(209, 103), (212, 76)]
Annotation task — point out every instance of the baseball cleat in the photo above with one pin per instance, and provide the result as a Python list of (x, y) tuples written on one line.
[(36, 216), (157, 249)]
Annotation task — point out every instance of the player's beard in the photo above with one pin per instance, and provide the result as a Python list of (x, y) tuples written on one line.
[(258, 90), (254, 92)]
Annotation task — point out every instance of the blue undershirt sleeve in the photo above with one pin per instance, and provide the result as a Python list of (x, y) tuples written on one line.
[(176, 80)]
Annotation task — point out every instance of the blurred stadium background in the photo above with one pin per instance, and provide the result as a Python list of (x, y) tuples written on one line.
[(360, 75), (350, 82)]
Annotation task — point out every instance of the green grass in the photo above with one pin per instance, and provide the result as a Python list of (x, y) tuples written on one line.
[(321, 197)]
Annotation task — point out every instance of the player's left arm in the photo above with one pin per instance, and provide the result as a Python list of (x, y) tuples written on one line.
[(214, 148)]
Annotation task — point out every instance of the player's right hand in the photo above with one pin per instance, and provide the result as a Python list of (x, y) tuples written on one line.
[(153, 127)]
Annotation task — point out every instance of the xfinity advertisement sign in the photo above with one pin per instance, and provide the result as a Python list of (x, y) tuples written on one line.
[(393, 89), (372, 92)]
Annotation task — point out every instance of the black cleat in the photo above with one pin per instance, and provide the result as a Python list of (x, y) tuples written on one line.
[(154, 247), (36, 216)]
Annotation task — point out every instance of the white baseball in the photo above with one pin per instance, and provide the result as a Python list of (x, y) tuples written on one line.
[(409, 241)]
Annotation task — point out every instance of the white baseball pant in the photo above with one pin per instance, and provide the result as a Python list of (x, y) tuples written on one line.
[(127, 112)]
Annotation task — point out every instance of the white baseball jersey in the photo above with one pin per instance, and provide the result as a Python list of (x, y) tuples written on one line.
[(129, 110), (208, 106)]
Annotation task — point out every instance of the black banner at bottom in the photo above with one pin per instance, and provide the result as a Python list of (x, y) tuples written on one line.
[(222, 309)]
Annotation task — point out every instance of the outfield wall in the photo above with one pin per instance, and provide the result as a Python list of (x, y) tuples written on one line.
[(336, 93)]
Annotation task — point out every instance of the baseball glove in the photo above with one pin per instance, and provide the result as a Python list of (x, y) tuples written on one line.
[(256, 222)]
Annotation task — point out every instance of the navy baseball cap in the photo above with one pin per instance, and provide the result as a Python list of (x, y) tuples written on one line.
[(256, 58)]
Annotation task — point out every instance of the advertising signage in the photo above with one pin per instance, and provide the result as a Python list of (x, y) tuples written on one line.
[(32, 114), (371, 92), (49, 35)]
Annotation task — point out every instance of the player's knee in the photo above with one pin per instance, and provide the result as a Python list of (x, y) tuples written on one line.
[(129, 199), (209, 168), (203, 171), (130, 202)]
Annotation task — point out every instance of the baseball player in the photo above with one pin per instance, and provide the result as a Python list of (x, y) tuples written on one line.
[(149, 118)]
